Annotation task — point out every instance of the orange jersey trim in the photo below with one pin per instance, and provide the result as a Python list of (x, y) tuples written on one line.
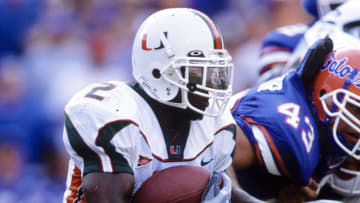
[(273, 147), (74, 186), (212, 26), (257, 149)]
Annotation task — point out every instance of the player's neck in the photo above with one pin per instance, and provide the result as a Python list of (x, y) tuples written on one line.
[(169, 117)]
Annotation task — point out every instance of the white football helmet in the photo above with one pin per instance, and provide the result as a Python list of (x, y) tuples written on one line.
[(180, 51)]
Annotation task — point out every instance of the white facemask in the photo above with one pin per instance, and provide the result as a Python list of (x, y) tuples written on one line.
[(349, 187)]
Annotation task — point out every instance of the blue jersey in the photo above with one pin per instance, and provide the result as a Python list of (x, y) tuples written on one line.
[(278, 121), (278, 45)]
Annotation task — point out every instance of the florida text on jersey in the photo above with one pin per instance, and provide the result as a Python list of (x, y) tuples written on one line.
[(110, 128)]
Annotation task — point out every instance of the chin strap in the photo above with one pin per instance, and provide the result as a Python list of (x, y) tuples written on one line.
[(327, 142)]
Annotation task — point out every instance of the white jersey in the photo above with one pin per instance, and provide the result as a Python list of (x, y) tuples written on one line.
[(110, 128)]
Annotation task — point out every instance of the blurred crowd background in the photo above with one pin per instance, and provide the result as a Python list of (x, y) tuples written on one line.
[(50, 49)]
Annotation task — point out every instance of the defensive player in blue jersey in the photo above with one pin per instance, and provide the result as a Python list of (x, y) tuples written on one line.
[(279, 44), (297, 128)]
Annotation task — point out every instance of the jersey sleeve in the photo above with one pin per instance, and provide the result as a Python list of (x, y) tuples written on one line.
[(278, 45), (222, 131), (281, 134), (267, 150), (98, 140), (280, 154), (225, 139)]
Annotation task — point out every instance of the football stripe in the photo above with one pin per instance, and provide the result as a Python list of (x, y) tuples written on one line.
[(247, 121), (180, 160), (92, 161), (232, 129), (105, 134), (218, 43), (265, 151), (270, 143), (276, 152), (75, 184)]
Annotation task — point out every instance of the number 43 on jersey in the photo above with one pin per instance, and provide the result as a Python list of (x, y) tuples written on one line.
[(292, 118)]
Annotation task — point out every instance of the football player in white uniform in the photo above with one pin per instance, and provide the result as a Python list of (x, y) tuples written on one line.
[(119, 134)]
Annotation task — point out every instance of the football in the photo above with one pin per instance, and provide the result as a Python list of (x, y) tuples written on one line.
[(178, 184)]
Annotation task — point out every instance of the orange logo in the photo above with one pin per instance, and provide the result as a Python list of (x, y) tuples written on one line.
[(143, 160), (144, 43)]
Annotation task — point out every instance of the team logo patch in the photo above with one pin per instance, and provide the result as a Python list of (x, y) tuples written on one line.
[(144, 43), (143, 160), (175, 149), (205, 162)]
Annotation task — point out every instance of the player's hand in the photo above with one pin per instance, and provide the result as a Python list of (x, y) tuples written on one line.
[(213, 193), (295, 194), (314, 59)]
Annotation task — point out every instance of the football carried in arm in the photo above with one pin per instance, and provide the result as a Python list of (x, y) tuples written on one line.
[(178, 184)]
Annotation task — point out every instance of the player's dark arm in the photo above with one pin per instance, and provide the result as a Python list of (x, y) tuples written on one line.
[(240, 196), (244, 154), (291, 193), (237, 194), (107, 187)]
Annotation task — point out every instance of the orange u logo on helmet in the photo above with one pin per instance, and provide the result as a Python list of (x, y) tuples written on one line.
[(144, 43)]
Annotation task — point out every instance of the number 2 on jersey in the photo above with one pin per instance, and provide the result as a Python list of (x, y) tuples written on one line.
[(92, 94), (291, 111)]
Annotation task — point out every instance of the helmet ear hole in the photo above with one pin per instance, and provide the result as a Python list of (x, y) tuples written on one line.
[(156, 73)]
